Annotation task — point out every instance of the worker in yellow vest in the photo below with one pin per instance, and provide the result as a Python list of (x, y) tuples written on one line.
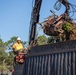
[(17, 46)]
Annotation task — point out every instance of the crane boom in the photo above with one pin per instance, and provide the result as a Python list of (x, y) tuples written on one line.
[(34, 20)]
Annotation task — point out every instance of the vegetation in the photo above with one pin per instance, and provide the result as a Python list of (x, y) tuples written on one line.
[(67, 26), (6, 58), (42, 40), (3, 55)]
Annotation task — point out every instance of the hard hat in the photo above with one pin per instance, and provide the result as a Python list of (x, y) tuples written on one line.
[(18, 38)]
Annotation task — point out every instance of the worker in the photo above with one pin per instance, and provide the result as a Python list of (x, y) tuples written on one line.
[(17, 46), (19, 51)]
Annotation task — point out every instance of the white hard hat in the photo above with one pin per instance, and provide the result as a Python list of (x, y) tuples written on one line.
[(18, 38)]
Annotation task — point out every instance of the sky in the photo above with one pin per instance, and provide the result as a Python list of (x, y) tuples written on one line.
[(15, 16)]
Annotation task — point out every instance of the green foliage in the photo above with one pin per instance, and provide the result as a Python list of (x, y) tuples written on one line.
[(42, 40), (67, 26), (51, 39), (10, 59), (6, 59), (2, 45), (3, 54), (11, 42)]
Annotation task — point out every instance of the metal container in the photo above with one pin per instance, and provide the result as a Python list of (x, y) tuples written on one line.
[(52, 59)]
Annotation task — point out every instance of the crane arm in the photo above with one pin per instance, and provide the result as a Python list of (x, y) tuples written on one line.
[(34, 20)]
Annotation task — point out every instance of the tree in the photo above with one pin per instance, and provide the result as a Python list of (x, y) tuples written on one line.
[(3, 54), (42, 40)]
